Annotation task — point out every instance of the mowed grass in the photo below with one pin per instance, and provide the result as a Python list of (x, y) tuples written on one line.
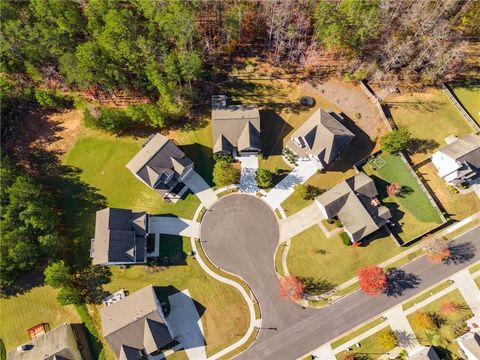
[(371, 347), (357, 332), (223, 310), (427, 115), (443, 338), (469, 96), (454, 204), (426, 295), (341, 262), (412, 212), (38, 305), (102, 159), (477, 281)]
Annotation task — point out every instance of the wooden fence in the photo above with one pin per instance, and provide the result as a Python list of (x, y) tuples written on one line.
[(381, 108)]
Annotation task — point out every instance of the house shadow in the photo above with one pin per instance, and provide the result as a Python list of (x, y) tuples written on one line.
[(202, 156), (182, 314), (273, 130), (171, 252), (360, 147)]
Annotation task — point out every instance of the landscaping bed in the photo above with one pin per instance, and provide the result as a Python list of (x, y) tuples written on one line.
[(412, 212)]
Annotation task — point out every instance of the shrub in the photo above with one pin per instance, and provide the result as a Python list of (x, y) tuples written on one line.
[(345, 238), (395, 141), (50, 99), (337, 222), (57, 275), (394, 189), (357, 115), (147, 114), (114, 120), (225, 173), (264, 178)]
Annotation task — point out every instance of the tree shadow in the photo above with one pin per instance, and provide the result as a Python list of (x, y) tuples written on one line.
[(421, 146), (315, 286), (273, 130), (405, 339), (405, 191), (398, 281), (460, 253)]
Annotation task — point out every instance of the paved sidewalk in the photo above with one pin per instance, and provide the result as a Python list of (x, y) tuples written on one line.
[(248, 176), (469, 290), (185, 324), (398, 322), (324, 353), (173, 226), (299, 221), (200, 188), (285, 188)]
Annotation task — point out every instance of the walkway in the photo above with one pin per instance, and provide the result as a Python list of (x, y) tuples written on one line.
[(403, 331), (200, 188), (469, 290), (248, 176), (173, 226), (285, 188), (324, 353), (299, 221), (185, 324)]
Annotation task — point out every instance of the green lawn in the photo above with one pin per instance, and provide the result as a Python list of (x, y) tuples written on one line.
[(412, 212), (303, 259), (224, 313), (469, 96), (443, 339), (359, 331), (370, 347), (474, 268), (477, 281), (427, 115), (426, 295), (38, 305), (278, 258)]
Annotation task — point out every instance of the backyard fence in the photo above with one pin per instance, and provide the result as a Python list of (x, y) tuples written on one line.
[(460, 108), (381, 108)]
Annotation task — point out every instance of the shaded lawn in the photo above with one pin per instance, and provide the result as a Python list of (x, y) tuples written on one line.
[(304, 261), (38, 305), (370, 347), (443, 339), (412, 212), (102, 159), (454, 204), (469, 96), (225, 319), (427, 115)]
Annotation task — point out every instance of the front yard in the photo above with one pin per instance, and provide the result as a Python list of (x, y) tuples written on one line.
[(339, 262), (412, 212), (443, 338), (370, 347), (427, 115)]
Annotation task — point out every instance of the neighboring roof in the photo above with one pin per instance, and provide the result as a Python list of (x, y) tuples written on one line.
[(157, 159), (136, 322), (324, 135), (466, 149), (471, 341), (119, 236), (59, 343), (236, 126), (426, 353), (351, 201)]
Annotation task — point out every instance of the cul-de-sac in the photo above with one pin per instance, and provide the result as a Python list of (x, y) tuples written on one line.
[(240, 179)]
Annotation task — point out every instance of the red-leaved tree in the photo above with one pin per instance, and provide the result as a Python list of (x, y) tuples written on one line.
[(291, 287), (394, 189), (373, 280), (450, 307)]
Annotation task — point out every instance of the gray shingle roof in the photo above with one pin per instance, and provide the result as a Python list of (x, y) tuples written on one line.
[(157, 159), (351, 201), (135, 322), (325, 136), (427, 353), (119, 236), (466, 149), (236, 126)]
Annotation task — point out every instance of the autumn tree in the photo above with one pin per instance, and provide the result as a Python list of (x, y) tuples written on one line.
[(423, 320), (291, 288), (373, 280), (437, 249), (394, 189), (450, 307), (388, 340)]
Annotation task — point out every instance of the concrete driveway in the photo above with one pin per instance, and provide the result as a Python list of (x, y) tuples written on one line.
[(200, 188), (173, 226), (248, 175)]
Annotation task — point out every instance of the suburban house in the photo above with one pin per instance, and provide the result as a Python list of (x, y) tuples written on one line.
[(424, 353), (236, 128), (458, 161), (355, 203), (160, 164), (135, 326), (321, 138), (61, 343), (470, 345), (120, 237)]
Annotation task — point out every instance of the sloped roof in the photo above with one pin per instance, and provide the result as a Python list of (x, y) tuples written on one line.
[(135, 322), (156, 158), (236, 126), (119, 236), (471, 341), (325, 136), (351, 201), (466, 149), (426, 353)]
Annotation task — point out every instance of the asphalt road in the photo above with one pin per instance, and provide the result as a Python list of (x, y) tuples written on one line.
[(241, 235)]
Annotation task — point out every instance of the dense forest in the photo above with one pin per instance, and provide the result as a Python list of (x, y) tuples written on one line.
[(130, 63)]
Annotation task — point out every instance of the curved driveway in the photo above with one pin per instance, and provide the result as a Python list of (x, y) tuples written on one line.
[(240, 234)]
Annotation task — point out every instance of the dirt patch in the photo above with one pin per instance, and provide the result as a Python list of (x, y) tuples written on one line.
[(69, 125), (352, 101)]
